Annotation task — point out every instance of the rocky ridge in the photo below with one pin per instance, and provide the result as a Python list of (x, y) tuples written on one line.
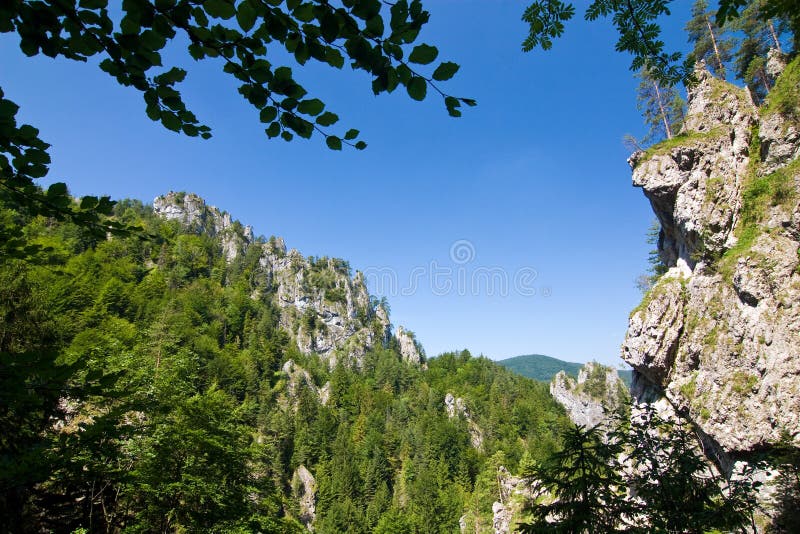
[(590, 400), (718, 337), (326, 310)]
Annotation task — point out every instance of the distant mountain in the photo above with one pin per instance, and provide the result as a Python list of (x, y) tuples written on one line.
[(544, 368)]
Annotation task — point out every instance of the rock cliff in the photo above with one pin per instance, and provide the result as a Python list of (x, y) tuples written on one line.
[(304, 489), (593, 397), (719, 334), (326, 310), (457, 408), (193, 212)]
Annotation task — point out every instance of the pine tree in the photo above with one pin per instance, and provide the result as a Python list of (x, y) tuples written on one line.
[(709, 44), (759, 36), (588, 489), (661, 108)]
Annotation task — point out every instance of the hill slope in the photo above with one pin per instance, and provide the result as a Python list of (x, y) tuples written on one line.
[(212, 381), (539, 366)]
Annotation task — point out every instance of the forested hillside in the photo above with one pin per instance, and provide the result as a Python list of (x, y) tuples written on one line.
[(167, 382), (541, 367)]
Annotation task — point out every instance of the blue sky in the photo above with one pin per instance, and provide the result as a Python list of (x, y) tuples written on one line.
[(532, 184)]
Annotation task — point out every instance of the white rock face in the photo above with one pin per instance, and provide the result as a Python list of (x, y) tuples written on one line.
[(694, 188), (721, 341), (455, 408), (409, 348), (304, 487), (593, 397), (327, 311), (514, 491), (193, 212)]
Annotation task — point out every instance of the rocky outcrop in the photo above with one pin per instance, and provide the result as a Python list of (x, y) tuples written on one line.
[(298, 379), (593, 397), (410, 349), (304, 488), (514, 492), (193, 212), (457, 408), (328, 311), (719, 334), (695, 187)]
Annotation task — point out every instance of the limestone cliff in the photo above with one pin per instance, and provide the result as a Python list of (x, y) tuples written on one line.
[(192, 211), (327, 311), (456, 407), (593, 397), (719, 334)]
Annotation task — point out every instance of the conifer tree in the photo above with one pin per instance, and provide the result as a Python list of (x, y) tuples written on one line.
[(661, 108), (707, 38), (588, 489), (759, 35)]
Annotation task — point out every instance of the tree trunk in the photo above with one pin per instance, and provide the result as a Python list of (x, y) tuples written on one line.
[(663, 112), (765, 80), (716, 50), (774, 36)]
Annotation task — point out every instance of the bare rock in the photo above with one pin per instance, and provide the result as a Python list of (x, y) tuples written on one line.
[(514, 492), (593, 397), (298, 379), (718, 337), (193, 212), (654, 330), (455, 407), (304, 488), (410, 349)]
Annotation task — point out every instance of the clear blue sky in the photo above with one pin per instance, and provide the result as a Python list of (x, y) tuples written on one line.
[(534, 178)]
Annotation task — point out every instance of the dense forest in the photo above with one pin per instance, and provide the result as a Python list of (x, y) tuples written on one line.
[(148, 390), (166, 373)]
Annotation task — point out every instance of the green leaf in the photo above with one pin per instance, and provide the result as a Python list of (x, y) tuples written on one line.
[(333, 142), (58, 189), (423, 54), (329, 26), (417, 88), (361, 145), (375, 26), (283, 74), (171, 121), (88, 203), (246, 16), (268, 114), (351, 134), (334, 58), (327, 119), (152, 40), (311, 107), (273, 130), (93, 4), (8, 108), (304, 12), (452, 104), (445, 71), (219, 8), (28, 133)]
